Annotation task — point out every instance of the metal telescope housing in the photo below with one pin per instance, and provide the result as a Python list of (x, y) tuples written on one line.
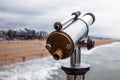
[(59, 25), (68, 34)]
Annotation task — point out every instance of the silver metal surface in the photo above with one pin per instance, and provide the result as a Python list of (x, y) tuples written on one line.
[(66, 41), (74, 77), (77, 31), (75, 59), (88, 19), (60, 25), (79, 28)]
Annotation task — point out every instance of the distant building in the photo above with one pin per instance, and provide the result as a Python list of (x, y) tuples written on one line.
[(22, 34), (30, 33), (2, 32), (2, 35), (41, 35)]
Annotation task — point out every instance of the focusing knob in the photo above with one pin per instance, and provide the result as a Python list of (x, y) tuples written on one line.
[(90, 43)]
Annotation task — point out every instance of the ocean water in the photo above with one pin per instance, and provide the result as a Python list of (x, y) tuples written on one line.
[(104, 61)]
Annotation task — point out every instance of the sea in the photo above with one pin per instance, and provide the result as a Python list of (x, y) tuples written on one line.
[(104, 65)]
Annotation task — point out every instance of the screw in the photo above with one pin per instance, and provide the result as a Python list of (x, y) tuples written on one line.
[(68, 46), (48, 47)]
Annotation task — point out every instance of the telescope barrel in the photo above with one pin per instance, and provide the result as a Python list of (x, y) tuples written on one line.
[(80, 28), (61, 43), (59, 25)]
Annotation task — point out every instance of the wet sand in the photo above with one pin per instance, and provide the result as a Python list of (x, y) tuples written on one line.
[(16, 51)]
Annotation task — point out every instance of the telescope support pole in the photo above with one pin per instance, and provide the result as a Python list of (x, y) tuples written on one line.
[(75, 61), (76, 70)]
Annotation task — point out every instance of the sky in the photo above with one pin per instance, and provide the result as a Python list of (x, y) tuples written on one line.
[(42, 14)]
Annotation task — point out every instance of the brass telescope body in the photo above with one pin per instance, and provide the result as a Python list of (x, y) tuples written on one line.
[(62, 45)]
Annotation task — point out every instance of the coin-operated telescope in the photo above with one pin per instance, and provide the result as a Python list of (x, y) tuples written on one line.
[(66, 41)]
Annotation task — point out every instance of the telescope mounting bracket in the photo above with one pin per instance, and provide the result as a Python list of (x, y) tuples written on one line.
[(76, 70)]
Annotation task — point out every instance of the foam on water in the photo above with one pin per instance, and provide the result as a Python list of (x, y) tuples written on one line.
[(115, 44), (104, 61), (37, 69)]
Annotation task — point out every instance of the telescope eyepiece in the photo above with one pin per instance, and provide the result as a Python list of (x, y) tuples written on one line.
[(58, 54), (58, 26), (92, 15)]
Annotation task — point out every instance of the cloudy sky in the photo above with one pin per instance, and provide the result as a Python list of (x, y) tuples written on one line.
[(41, 14)]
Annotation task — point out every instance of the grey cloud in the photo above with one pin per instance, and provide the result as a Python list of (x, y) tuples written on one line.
[(41, 14), (28, 7)]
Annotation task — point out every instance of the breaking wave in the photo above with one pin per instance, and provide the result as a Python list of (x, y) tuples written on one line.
[(104, 61)]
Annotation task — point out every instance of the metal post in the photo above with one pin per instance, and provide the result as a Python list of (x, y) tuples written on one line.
[(75, 61), (73, 77), (76, 70)]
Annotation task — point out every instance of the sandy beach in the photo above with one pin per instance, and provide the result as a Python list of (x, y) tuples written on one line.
[(16, 51), (30, 59)]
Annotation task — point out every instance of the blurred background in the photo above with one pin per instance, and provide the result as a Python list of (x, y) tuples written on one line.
[(34, 19), (41, 14)]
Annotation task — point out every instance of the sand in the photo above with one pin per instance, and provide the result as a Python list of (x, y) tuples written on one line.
[(99, 42), (22, 50), (15, 51)]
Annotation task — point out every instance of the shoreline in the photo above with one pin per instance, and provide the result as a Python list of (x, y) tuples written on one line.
[(20, 51)]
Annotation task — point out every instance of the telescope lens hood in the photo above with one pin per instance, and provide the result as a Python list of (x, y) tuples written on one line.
[(92, 15)]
